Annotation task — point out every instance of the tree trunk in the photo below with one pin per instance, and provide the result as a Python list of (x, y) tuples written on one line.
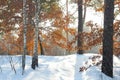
[(80, 27), (85, 10), (36, 21), (107, 64), (24, 35), (67, 24), (41, 47)]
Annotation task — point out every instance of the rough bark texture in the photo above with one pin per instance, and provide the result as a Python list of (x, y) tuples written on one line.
[(80, 26), (107, 64), (36, 21), (24, 35)]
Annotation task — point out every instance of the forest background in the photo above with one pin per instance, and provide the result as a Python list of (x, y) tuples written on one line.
[(57, 34)]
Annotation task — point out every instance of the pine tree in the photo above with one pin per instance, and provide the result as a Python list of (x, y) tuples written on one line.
[(107, 64)]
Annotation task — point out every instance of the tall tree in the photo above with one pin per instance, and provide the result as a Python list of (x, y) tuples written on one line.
[(36, 21), (107, 64), (80, 27), (67, 24), (24, 35)]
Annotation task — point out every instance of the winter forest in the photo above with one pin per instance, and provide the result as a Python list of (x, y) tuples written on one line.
[(59, 39)]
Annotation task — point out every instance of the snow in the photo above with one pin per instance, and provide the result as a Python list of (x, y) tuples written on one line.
[(55, 68)]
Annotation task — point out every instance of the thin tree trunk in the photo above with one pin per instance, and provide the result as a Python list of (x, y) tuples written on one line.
[(24, 36), (67, 24), (107, 64), (85, 9), (80, 27), (36, 21), (41, 47)]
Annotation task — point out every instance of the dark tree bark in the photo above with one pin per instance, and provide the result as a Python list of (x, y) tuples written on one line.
[(80, 27), (24, 35), (107, 64)]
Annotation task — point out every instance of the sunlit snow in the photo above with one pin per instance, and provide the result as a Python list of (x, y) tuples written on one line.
[(55, 68)]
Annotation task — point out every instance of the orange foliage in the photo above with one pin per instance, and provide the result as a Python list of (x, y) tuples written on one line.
[(100, 9), (53, 38)]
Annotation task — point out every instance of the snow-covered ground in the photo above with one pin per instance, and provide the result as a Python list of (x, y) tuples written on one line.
[(55, 68)]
